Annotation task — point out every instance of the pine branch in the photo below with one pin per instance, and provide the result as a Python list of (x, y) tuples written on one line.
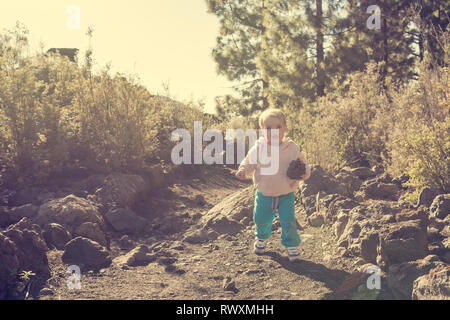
[(244, 21)]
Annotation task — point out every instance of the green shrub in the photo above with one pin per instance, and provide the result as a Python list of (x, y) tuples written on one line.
[(420, 138), (408, 133), (56, 116), (33, 93), (340, 128)]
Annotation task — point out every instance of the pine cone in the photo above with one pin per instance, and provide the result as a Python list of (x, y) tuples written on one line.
[(296, 169)]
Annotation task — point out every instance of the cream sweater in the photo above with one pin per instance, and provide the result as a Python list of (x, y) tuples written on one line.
[(276, 182)]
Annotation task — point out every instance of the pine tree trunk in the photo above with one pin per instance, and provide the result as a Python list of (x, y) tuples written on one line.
[(319, 50), (386, 49), (265, 84)]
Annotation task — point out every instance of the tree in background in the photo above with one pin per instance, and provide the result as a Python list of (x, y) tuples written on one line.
[(237, 47), (355, 44), (285, 52), (285, 58), (432, 16), (276, 54)]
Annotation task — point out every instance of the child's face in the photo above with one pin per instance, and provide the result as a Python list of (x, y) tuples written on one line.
[(274, 123)]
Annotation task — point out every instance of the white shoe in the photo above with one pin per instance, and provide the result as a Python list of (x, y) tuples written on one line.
[(260, 245), (293, 253)]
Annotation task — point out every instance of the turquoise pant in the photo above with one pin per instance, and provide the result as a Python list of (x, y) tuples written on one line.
[(264, 214)]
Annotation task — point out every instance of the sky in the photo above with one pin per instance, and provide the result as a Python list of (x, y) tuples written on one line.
[(161, 41)]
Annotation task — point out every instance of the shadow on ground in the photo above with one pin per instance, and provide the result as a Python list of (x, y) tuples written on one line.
[(331, 278)]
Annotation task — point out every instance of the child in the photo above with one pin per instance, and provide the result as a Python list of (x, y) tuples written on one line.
[(274, 191)]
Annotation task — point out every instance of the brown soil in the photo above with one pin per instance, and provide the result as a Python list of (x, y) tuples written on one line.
[(198, 270)]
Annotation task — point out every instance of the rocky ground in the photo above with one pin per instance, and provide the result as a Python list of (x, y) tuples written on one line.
[(194, 239)]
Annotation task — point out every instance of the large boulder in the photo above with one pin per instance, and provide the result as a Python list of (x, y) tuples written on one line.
[(91, 230), (10, 264), (433, 286), (427, 196), (32, 248), (383, 232), (411, 214), (22, 248), (56, 235), (236, 206), (124, 220), (86, 254), (321, 181), (363, 219), (400, 277), (372, 189), (401, 242), (70, 212), (225, 217), (221, 224), (440, 207), (121, 190)]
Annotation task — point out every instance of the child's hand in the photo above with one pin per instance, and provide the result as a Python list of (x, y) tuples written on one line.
[(240, 175)]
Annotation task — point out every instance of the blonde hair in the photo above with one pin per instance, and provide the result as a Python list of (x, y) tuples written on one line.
[(272, 112)]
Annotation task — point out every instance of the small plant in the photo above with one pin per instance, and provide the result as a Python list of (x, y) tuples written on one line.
[(363, 293), (25, 282), (19, 284), (25, 276)]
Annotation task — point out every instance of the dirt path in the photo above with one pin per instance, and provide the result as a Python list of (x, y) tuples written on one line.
[(197, 271)]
